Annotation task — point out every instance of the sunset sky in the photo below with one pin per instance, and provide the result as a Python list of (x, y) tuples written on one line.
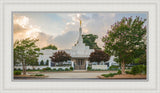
[(61, 29)]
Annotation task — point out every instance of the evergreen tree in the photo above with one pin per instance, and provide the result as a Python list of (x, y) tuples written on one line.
[(41, 63)]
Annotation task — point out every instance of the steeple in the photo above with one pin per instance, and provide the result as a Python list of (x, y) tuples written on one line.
[(80, 39)]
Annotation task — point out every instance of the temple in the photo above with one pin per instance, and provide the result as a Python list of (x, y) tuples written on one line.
[(79, 53)]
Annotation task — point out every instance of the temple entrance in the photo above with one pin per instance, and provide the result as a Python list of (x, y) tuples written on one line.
[(80, 64)]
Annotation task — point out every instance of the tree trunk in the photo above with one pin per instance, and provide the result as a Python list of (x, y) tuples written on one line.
[(123, 68), (24, 68)]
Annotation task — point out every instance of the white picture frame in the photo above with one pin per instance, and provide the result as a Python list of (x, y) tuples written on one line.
[(152, 85)]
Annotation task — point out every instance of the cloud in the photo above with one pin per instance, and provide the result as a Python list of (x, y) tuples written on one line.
[(66, 40), (23, 29), (94, 23), (98, 24)]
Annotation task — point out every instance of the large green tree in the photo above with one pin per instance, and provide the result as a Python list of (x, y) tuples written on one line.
[(53, 47), (126, 40), (89, 40), (26, 52)]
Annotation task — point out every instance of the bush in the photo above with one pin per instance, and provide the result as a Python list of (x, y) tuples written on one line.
[(66, 69), (19, 69), (128, 72), (33, 69), (60, 69), (39, 75), (71, 68), (89, 68), (54, 69), (113, 67), (46, 69), (139, 69), (119, 72), (129, 67), (17, 72), (109, 75), (135, 70)]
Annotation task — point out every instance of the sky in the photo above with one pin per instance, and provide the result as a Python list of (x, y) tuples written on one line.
[(62, 29)]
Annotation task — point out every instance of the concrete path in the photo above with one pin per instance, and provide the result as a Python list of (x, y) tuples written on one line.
[(76, 74)]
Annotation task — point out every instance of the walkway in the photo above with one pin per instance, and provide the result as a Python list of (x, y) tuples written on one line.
[(76, 74)]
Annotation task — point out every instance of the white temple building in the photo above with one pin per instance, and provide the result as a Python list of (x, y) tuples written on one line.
[(79, 53)]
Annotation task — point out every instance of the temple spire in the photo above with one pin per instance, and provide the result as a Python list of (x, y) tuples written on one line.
[(80, 22), (80, 39)]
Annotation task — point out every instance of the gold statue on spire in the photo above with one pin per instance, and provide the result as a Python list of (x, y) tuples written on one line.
[(80, 22)]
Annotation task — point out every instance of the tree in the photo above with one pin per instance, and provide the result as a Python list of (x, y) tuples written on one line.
[(42, 62), (53, 47), (33, 62), (47, 62), (126, 40), (98, 56), (26, 52), (89, 40), (60, 56)]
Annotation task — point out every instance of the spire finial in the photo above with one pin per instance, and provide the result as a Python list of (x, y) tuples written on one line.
[(80, 22)]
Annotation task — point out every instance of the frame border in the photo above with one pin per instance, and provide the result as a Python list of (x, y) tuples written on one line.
[(3, 3)]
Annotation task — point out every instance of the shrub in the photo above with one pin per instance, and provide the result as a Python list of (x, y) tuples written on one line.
[(39, 75), (48, 68), (60, 69), (139, 69), (113, 67), (19, 69), (135, 70), (71, 68), (17, 72), (89, 68), (129, 67), (34, 69), (119, 72), (93, 70), (44, 69), (54, 69), (128, 72), (28, 69), (38, 68), (66, 69), (109, 75)]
